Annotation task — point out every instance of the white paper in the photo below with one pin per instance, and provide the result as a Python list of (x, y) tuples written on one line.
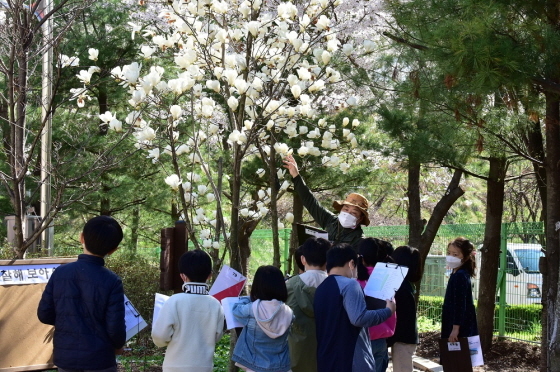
[(231, 320), (476, 351), (229, 283), (385, 280), (133, 320), (158, 304), (317, 234), (453, 346)]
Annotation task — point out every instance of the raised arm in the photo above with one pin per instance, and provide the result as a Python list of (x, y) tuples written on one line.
[(321, 215)]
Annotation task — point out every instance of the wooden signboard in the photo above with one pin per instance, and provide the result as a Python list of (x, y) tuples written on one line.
[(26, 343)]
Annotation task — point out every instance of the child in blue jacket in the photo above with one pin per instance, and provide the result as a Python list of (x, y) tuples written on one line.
[(262, 345)]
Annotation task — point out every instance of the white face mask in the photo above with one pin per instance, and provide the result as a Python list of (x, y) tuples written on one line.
[(347, 220), (453, 262)]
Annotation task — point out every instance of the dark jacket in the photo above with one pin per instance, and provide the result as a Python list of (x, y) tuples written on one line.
[(458, 306), (326, 219), (406, 330), (85, 303)]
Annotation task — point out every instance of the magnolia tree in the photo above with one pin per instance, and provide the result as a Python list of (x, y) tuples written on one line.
[(225, 82)]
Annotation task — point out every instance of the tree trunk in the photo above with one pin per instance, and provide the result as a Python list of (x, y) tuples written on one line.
[(297, 211), (535, 146), (245, 233), (551, 306), (134, 225), (273, 184), (414, 210), (18, 162), (236, 254), (452, 193), (490, 258)]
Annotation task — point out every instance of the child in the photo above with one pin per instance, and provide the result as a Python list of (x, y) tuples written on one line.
[(190, 323), (458, 317), (85, 303), (373, 252), (263, 343), (301, 290), (403, 342), (341, 315)]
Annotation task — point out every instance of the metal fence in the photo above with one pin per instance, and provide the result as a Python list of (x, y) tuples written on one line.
[(519, 281)]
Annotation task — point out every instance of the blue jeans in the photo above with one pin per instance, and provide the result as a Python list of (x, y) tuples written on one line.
[(112, 369), (380, 354)]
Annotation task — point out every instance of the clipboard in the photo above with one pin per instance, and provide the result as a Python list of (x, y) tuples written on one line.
[(455, 356), (305, 232), (385, 280)]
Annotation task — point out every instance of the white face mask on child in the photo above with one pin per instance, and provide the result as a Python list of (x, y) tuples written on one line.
[(453, 262), (347, 220)]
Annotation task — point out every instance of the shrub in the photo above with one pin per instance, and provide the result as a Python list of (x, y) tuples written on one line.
[(140, 278)]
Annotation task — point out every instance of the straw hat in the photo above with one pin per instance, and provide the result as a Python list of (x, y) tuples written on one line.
[(356, 200)]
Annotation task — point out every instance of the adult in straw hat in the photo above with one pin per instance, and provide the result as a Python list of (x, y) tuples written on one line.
[(342, 228)]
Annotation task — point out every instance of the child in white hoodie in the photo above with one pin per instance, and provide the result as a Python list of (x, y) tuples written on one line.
[(262, 346)]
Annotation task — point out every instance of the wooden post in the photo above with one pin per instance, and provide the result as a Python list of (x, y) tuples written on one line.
[(173, 245)]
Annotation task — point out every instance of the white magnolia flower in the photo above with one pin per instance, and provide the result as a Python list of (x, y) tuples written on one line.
[(115, 125), (131, 72), (317, 86), (213, 85), (345, 121), (302, 151), (80, 95), (261, 194), (369, 46), (106, 117), (85, 76), (147, 51), (289, 217), (280, 225), (202, 189), (323, 22), (355, 123), (213, 129), (153, 154), (232, 103), (176, 111), (304, 73), (347, 49), (326, 57), (135, 28), (281, 148), (296, 91), (344, 167), (241, 85), (210, 197), (182, 149), (230, 76), (281, 173), (173, 181), (253, 27), (285, 185), (352, 101), (93, 54), (260, 172), (65, 61)]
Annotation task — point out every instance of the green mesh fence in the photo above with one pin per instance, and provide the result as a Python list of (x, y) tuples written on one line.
[(519, 283)]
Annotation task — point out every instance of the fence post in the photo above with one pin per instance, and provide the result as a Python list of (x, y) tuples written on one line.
[(286, 249), (502, 280)]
